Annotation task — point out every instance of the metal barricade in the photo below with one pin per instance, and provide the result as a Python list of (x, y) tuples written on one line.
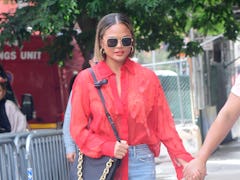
[(34, 155), (45, 155), (13, 149), (8, 159), (20, 143)]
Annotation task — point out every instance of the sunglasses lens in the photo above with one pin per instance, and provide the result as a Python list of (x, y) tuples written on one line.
[(112, 42), (126, 41)]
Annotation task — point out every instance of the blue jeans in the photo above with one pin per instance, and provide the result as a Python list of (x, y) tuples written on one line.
[(141, 164)]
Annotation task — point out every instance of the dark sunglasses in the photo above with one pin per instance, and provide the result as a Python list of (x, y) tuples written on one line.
[(126, 41)]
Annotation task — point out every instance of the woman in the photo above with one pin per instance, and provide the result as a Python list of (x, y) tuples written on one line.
[(135, 100), (11, 118)]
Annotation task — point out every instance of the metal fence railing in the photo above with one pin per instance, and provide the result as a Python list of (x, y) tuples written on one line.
[(11, 155), (34, 155), (8, 169), (20, 143), (45, 156)]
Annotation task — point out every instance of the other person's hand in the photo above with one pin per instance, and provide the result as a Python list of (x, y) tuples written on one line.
[(195, 170), (71, 157)]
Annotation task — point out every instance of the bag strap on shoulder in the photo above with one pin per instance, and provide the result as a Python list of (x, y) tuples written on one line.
[(98, 85)]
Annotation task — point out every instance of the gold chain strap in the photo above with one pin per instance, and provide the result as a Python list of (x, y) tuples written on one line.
[(105, 171), (79, 166), (107, 168)]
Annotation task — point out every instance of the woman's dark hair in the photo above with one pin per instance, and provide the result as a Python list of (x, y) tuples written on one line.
[(105, 23), (9, 95), (71, 82), (3, 85)]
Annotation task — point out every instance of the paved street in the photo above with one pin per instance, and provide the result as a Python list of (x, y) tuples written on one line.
[(224, 164)]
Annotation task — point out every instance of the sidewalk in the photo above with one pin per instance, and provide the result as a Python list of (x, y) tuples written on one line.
[(224, 164)]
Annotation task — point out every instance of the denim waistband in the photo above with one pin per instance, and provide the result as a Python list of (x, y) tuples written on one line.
[(138, 149)]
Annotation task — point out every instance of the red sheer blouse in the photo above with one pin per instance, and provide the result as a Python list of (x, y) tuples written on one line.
[(141, 114)]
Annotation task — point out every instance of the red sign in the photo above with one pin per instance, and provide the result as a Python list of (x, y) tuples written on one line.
[(48, 84)]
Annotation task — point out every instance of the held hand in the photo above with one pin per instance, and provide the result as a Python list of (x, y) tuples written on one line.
[(181, 162), (120, 149), (71, 157), (195, 170)]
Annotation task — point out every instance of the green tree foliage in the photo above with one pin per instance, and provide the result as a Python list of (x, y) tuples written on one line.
[(155, 21)]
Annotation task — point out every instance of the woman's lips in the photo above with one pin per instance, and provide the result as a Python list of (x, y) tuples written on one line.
[(119, 53)]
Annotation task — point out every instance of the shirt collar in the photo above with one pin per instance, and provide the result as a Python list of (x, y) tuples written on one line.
[(105, 71), (129, 65)]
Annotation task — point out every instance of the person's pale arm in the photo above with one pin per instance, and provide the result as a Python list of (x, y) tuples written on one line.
[(218, 130), (221, 126)]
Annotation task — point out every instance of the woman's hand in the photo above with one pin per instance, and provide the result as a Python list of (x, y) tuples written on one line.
[(194, 170), (120, 149)]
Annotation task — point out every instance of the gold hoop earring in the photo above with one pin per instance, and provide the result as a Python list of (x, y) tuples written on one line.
[(131, 52), (102, 52)]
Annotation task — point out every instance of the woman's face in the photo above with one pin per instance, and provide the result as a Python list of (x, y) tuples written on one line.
[(117, 43), (2, 93)]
